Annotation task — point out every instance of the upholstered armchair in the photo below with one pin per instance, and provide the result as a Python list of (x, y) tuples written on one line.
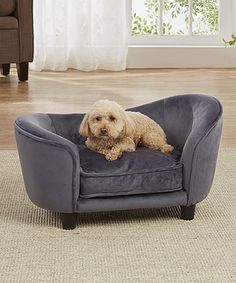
[(16, 36)]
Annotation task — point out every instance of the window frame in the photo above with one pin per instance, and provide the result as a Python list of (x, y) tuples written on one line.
[(226, 23)]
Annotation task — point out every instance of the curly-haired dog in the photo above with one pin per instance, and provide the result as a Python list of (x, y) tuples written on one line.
[(110, 130)]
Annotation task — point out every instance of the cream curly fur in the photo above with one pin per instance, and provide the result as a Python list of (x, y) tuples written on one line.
[(110, 130)]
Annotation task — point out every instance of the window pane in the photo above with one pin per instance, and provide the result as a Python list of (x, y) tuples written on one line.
[(175, 17), (205, 16), (145, 17)]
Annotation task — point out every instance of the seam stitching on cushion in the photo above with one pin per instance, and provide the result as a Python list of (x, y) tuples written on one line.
[(129, 193), (92, 175)]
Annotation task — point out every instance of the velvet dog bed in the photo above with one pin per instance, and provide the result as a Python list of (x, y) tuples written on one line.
[(61, 174)]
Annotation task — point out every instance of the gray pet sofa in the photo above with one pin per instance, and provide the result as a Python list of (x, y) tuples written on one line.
[(62, 175)]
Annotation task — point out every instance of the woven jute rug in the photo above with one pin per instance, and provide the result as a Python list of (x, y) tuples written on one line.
[(129, 246)]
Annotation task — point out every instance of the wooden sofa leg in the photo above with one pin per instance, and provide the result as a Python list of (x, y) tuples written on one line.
[(22, 70), (5, 69), (68, 220), (187, 212)]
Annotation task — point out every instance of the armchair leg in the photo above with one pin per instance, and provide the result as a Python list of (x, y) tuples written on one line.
[(187, 212), (5, 69), (68, 220), (22, 70)]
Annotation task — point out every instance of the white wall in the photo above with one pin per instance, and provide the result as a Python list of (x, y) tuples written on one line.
[(181, 57)]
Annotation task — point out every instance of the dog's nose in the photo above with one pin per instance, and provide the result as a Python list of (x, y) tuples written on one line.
[(103, 131)]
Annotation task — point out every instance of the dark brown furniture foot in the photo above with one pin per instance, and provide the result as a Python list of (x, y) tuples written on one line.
[(187, 212), (5, 69), (68, 220), (22, 70)]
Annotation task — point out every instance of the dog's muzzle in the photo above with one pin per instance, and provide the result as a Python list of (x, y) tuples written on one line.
[(104, 132)]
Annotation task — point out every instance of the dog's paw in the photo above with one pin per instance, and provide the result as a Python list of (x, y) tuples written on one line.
[(111, 156), (130, 149), (167, 148)]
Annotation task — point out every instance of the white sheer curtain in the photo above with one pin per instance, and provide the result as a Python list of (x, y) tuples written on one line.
[(81, 34)]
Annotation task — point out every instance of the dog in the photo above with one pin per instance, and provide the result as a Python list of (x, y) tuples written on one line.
[(110, 130)]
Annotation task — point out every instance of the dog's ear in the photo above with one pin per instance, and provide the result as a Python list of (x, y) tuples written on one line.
[(129, 126), (84, 129)]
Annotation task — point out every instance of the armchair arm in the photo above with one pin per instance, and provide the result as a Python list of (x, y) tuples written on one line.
[(24, 14), (50, 164), (199, 156)]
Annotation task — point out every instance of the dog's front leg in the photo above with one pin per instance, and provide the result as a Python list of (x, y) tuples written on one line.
[(127, 144), (93, 145)]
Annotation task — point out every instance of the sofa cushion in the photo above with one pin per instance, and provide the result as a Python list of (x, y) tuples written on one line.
[(7, 7), (144, 171), (8, 23)]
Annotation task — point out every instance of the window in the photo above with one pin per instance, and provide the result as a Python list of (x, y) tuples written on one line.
[(179, 22)]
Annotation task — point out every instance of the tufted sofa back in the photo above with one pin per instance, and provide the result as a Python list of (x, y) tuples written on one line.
[(7, 7)]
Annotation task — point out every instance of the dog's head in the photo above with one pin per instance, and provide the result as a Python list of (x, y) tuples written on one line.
[(107, 119)]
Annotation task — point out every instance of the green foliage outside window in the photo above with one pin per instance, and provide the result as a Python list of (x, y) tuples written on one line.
[(206, 12), (231, 42)]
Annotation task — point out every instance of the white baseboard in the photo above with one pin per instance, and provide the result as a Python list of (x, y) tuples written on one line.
[(181, 57)]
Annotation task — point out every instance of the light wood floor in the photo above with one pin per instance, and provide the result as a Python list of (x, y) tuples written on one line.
[(75, 91)]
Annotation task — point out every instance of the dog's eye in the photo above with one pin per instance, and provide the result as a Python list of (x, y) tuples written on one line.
[(112, 118), (98, 118)]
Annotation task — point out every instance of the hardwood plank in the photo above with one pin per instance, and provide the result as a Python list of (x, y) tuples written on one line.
[(74, 91)]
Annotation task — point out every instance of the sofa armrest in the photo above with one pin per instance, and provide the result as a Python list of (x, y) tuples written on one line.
[(199, 158), (24, 14), (50, 164)]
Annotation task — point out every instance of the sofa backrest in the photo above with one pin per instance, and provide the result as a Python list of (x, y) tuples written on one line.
[(179, 115)]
